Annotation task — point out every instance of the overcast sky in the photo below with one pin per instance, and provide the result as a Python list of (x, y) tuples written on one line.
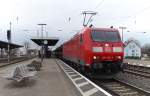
[(26, 14)]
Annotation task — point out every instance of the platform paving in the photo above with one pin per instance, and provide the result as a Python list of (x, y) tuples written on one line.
[(50, 81)]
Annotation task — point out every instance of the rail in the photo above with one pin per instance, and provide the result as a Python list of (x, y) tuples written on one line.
[(15, 61), (119, 88), (138, 70)]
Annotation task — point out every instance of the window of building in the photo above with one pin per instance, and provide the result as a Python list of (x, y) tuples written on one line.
[(133, 46), (132, 54), (129, 46)]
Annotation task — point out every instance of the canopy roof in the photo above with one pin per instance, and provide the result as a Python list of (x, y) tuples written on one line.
[(51, 41), (4, 44)]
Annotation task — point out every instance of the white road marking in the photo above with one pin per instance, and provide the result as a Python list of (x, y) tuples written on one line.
[(70, 72), (77, 79), (90, 92), (72, 75), (82, 84), (87, 93)]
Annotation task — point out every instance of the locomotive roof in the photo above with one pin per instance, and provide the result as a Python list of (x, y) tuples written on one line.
[(101, 29), (105, 29), (93, 28)]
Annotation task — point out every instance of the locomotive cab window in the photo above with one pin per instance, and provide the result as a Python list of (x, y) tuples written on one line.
[(105, 36)]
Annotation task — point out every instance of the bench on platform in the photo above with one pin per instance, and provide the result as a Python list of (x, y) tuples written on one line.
[(20, 73), (36, 65)]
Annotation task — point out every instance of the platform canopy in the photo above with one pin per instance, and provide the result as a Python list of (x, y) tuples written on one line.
[(51, 41), (4, 44)]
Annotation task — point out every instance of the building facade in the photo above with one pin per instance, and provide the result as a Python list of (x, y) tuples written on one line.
[(132, 50)]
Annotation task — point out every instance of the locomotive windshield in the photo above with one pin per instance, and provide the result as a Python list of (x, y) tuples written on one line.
[(105, 36)]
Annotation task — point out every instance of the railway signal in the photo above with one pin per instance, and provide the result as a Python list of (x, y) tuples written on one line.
[(9, 35)]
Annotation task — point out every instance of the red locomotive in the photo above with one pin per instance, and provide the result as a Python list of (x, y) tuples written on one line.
[(95, 50)]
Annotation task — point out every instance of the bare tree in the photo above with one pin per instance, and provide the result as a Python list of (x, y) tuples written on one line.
[(146, 49), (26, 46)]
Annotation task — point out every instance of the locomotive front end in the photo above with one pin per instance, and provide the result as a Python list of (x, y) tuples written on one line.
[(106, 50)]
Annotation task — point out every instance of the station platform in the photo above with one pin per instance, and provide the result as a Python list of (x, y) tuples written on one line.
[(50, 81)]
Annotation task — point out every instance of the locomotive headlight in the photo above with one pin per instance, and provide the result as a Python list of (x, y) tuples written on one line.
[(117, 49), (94, 57), (97, 49), (119, 57)]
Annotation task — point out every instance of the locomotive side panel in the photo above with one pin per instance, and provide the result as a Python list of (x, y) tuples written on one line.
[(71, 50)]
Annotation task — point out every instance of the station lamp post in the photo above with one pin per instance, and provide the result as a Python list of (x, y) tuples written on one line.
[(42, 45)]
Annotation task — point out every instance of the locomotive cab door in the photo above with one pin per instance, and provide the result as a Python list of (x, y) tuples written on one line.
[(81, 53)]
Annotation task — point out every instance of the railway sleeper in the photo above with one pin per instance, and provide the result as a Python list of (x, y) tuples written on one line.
[(111, 85), (121, 90), (130, 94), (117, 87)]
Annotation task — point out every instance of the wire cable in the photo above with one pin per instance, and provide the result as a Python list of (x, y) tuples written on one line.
[(99, 4), (139, 12)]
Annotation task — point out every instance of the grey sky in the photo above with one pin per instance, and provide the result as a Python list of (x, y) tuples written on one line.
[(26, 14)]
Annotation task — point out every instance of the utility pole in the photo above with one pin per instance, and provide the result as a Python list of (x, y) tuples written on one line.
[(46, 34), (9, 41), (37, 33), (42, 29), (42, 45), (122, 28)]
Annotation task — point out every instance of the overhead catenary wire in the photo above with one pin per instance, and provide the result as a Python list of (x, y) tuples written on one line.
[(135, 14), (126, 17), (99, 4), (139, 12)]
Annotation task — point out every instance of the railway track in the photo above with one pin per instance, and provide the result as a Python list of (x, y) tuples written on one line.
[(15, 61), (138, 73), (138, 70), (119, 88)]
